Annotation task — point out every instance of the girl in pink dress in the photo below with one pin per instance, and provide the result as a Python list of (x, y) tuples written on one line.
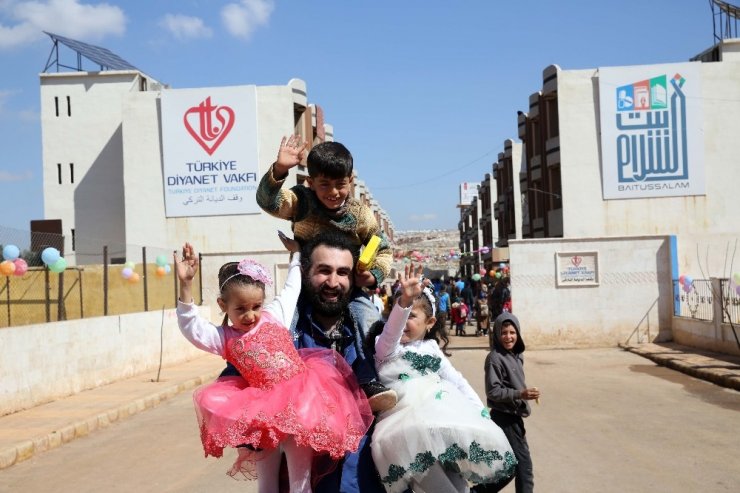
[(301, 402)]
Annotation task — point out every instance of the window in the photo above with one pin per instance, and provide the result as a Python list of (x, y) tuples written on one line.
[(556, 198), (73, 239), (56, 105), (553, 129), (71, 172), (69, 106), (59, 173)]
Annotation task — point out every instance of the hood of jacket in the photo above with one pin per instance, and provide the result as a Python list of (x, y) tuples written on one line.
[(498, 325)]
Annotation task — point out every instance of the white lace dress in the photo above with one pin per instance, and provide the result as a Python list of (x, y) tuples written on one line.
[(438, 418)]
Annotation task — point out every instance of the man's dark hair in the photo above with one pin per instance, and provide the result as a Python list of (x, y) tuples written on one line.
[(331, 239), (330, 159)]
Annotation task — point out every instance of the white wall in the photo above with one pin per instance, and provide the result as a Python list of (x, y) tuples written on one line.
[(47, 361), (634, 292), (705, 223)]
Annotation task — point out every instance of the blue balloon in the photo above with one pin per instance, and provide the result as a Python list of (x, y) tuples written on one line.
[(688, 281), (11, 252), (49, 256)]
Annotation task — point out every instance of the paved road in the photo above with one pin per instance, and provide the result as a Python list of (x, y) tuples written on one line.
[(608, 421)]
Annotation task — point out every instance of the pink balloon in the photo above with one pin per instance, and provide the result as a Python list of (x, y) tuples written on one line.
[(21, 267), (681, 278)]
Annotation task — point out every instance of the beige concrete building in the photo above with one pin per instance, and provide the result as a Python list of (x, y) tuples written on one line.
[(627, 177), (104, 160)]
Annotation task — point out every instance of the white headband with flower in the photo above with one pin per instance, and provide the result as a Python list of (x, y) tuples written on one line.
[(432, 301)]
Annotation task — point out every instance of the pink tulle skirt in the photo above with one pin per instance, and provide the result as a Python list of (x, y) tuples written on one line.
[(322, 408)]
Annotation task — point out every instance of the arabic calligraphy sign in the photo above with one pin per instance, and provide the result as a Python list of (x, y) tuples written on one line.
[(577, 268), (651, 131), (209, 148)]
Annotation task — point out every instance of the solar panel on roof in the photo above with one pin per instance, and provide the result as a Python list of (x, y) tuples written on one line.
[(101, 56)]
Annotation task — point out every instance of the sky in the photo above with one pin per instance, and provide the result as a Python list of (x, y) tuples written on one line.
[(422, 92)]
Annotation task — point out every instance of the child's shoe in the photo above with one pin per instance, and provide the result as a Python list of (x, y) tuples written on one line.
[(380, 397)]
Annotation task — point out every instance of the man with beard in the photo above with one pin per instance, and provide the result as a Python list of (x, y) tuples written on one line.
[(323, 319)]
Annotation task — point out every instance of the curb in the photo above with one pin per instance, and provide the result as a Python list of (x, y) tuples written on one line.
[(720, 377), (28, 448)]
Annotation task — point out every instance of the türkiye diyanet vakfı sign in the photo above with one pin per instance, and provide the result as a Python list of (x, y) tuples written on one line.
[(652, 137), (209, 147)]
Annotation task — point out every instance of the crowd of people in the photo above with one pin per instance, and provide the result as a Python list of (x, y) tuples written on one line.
[(342, 383)]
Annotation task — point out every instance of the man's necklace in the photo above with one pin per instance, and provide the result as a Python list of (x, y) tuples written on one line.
[(335, 333)]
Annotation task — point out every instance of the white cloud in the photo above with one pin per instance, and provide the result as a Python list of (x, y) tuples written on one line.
[(6, 176), (241, 19), (185, 27), (70, 18), (419, 218)]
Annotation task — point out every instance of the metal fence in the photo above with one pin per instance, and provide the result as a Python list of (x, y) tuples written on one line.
[(100, 288), (696, 302), (730, 302)]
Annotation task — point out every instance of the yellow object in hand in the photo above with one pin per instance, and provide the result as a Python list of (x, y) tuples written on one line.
[(367, 257)]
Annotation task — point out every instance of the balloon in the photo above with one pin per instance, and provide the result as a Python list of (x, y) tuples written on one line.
[(482, 271), (498, 275), (687, 287), (7, 268), (160, 272), (737, 290), (134, 278), (502, 265), (58, 266), (10, 252), (127, 272), (49, 256), (161, 260), (476, 277), (688, 280), (485, 251), (736, 278), (491, 273), (21, 267), (167, 269), (130, 265), (681, 278)]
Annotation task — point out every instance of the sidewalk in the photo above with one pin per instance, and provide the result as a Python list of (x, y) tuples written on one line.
[(721, 369), (26, 433)]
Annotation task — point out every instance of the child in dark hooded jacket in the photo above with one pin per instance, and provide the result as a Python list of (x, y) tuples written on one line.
[(507, 395)]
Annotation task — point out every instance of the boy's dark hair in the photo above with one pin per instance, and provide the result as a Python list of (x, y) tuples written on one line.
[(229, 276), (330, 159), (331, 239), (438, 332)]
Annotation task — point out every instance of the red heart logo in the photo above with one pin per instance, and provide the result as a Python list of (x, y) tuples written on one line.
[(213, 123), (576, 260)]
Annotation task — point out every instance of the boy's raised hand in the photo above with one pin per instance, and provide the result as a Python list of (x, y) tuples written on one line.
[(411, 284), (187, 266), (289, 155)]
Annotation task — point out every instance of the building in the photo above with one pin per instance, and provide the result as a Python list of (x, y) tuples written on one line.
[(122, 173), (627, 177)]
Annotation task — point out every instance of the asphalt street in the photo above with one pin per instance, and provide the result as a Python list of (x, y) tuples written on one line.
[(608, 421)]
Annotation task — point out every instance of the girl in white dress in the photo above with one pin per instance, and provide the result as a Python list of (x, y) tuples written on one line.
[(439, 436)]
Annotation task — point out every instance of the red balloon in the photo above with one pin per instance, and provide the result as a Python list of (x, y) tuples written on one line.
[(21, 267)]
